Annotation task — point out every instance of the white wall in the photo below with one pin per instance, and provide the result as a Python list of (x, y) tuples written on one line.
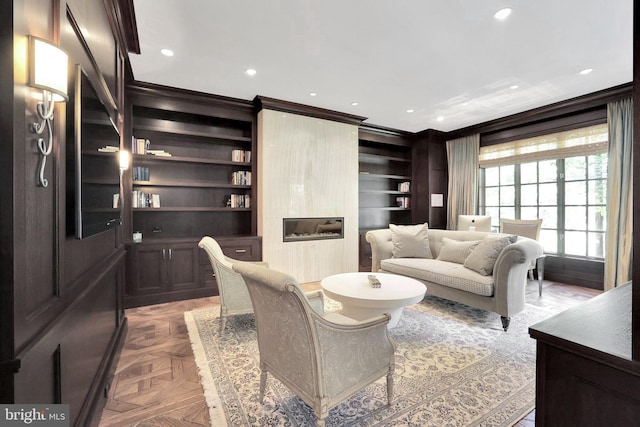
[(307, 167)]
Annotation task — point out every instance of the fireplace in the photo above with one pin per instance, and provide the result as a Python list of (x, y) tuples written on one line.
[(297, 229)]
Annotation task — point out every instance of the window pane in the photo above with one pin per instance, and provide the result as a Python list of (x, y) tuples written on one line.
[(598, 166), (529, 213), (575, 168), (575, 218), (507, 195), (596, 245), (494, 213), (548, 194), (597, 218), (492, 196), (529, 195), (507, 174), (575, 193), (549, 215), (598, 192), (492, 176), (548, 171), (575, 243), (549, 240), (529, 173), (508, 213)]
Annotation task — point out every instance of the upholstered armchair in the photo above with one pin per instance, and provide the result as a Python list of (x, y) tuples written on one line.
[(527, 228), (324, 358), (234, 297)]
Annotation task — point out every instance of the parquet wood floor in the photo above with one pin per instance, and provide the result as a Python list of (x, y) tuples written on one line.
[(156, 381)]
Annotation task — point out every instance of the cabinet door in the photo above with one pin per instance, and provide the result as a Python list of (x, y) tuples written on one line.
[(182, 266), (150, 275)]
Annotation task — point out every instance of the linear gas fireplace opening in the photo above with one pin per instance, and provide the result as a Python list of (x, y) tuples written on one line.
[(297, 229)]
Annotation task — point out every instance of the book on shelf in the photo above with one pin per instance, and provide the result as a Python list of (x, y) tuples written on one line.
[(139, 145), (404, 186), (140, 199), (239, 201), (141, 173), (160, 153), (241, 178), (243, 156), (403, 202), (109, 149)]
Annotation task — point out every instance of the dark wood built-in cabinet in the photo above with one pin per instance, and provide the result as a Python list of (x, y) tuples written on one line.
[(192, 175)]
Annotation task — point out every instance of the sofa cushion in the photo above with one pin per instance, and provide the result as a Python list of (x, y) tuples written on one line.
[(410, 241), (450, 274), (456, 250), (484, 256)]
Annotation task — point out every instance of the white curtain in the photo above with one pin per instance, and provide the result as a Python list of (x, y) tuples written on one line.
[(462, 158), (618, 255)]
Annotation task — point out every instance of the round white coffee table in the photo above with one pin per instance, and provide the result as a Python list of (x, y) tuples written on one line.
[(360, 301)]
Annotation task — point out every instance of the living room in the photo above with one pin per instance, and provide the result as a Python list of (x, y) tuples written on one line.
[(64, 299)]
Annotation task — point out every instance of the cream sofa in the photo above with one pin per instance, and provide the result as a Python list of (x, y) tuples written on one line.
[(500, 289)]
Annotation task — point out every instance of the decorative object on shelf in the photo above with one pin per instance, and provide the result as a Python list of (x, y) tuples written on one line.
[(137, 237), (48, 68), (373, 281)]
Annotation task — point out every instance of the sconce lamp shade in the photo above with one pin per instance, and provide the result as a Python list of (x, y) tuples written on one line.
[(124, 160), (48, 67)]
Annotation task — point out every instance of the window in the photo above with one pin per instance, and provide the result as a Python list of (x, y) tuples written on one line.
[(568, 192)]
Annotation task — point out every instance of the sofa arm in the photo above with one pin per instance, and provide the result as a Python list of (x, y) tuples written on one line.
[(381, 246), (510, 275)]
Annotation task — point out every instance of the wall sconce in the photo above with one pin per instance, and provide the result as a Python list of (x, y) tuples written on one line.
[(124, 160), (48, 67)]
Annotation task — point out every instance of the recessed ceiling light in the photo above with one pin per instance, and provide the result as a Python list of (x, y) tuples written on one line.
[(514, 87), (354, 103), (502, 13), (312, 94), (250, 71), (440, 118), (410, 110), (586, 71), (166, 52), (464, 104)]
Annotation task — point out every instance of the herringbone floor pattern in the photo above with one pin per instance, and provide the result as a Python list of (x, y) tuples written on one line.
[(156, 381)]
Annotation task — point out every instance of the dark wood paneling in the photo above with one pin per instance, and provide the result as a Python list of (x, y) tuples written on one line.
[(574, 271), (430, 176)]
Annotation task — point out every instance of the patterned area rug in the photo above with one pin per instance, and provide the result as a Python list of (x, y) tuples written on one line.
[(455, 366)]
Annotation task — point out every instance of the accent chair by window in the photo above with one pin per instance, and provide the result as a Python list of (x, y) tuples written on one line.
[(527, 228)]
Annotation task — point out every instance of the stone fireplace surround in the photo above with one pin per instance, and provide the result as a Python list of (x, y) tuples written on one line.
[(308, 168)]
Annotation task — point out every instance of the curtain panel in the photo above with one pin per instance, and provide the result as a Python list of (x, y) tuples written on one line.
[(462, 158), (618, 250)]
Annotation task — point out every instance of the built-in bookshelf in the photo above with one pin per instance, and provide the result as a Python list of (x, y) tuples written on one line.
[(384, 184), (191, 176)]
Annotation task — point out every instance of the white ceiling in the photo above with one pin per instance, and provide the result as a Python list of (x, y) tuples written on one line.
[(442, 58)]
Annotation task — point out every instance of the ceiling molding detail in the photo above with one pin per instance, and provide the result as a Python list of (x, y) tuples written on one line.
[(263, 102)]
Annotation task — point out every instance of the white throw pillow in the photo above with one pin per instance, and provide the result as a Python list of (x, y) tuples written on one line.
[(456, 250), (483, 258), (410, 241)]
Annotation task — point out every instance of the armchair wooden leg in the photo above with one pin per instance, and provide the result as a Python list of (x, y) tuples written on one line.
[(540, 268), (263, 383), (505, 322), (223, 323), (389, 388)]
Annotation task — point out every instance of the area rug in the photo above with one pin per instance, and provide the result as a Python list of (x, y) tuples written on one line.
[(455, 366)]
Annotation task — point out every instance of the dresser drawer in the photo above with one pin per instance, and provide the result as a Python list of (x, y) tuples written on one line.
[(241, 249)]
